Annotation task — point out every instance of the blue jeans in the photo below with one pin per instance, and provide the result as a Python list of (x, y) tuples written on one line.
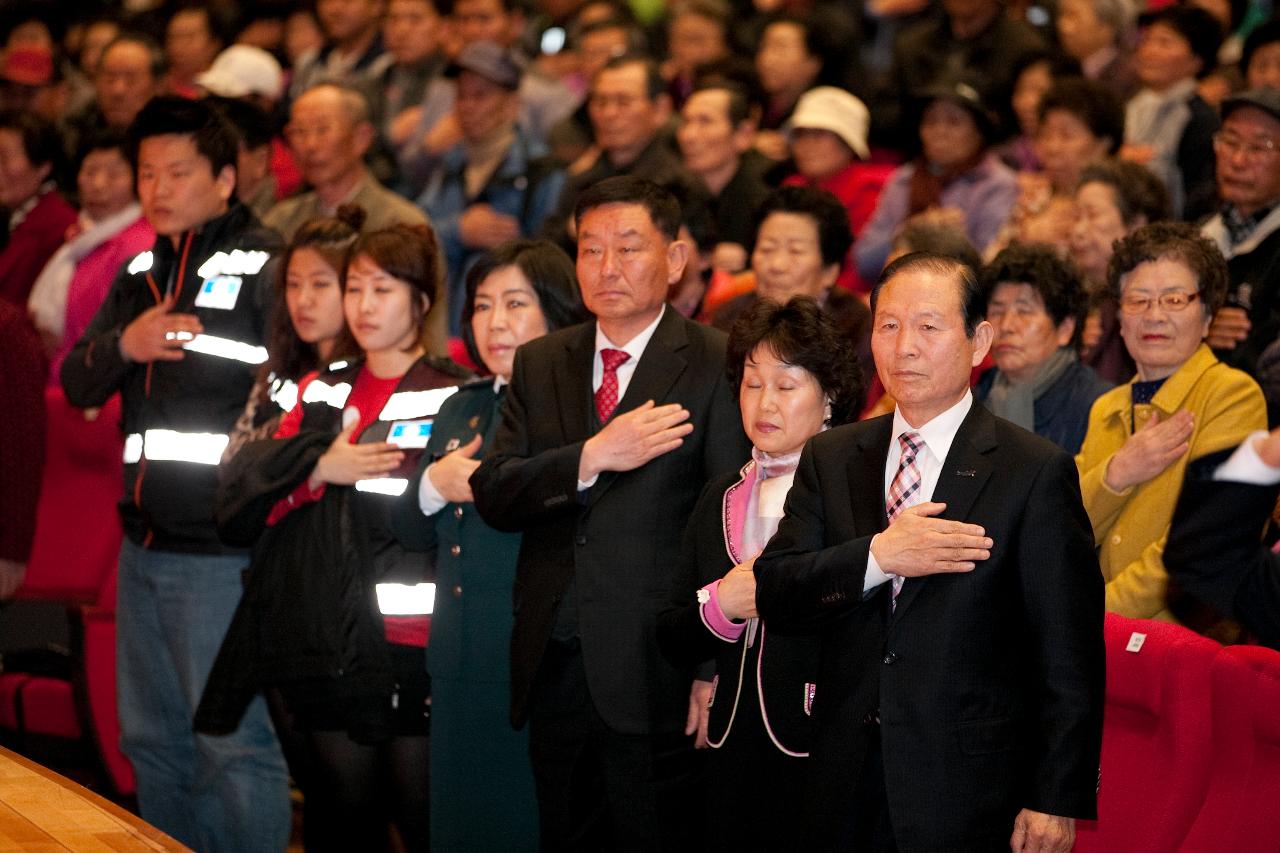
[(211, 793)]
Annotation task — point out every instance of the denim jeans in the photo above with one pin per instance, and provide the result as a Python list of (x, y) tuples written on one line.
[(211, 793)]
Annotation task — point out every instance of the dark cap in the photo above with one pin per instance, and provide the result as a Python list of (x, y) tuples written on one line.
[(491, 61), (966, 95), (1263, 98)]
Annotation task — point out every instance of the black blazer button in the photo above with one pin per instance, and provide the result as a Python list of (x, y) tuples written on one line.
[(889, 659), (580, 539)]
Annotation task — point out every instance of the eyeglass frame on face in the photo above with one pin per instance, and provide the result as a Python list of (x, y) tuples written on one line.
[(1135, 306), (1254, 152)]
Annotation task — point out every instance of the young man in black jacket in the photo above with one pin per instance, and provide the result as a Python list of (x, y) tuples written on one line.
[(179, 336)]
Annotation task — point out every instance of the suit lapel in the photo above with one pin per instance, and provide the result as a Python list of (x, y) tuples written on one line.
[(573, 385), (660, 367), (866, 476), (964, 474)]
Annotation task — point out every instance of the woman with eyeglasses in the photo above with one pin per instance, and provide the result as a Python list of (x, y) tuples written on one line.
[(1182, 404)]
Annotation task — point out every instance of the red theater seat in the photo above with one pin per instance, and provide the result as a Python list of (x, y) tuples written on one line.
[(73, 562), (1241, 812), (1156, 740)]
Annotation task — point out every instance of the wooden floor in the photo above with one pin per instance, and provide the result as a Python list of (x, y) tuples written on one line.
[(42, 812)]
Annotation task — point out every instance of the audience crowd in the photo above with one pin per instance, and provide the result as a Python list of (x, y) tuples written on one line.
[(484, 376)]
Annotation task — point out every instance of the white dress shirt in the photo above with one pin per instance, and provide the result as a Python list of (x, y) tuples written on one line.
[(1246, 466), (634, 348), (937, 435)]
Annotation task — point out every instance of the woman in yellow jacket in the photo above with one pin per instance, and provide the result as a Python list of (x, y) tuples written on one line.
[(1182, 404)]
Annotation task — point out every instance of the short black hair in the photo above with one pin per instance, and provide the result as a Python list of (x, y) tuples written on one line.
[(972, 302), (1201, 30), (1268, 32), (735, 72), (103, 138), (827, 212), (654, 83), (165, 115), (251, 122), (1179, 241), (823, 34), (799, 333), (1060, 64), (637, 43), (660, 203), (550, 273), (1092, 103), (1137, 191), (220, 24), (40, 140), (740, 108), (1056, 280), (925, 236)]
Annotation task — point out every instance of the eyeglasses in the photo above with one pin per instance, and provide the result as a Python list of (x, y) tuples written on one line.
[(1230, 145), (1172, 302)]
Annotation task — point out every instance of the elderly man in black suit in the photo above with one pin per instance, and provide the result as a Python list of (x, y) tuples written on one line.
[(945, 559), (609, 431)]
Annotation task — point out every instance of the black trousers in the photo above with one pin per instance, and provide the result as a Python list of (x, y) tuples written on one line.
[(599, 790), (869, 829)]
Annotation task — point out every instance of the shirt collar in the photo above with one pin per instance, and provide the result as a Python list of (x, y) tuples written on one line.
[(635, 347), (1240, 227), (941, 430)]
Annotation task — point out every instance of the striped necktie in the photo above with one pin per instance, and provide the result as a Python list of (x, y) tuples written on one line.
[(904, 491)]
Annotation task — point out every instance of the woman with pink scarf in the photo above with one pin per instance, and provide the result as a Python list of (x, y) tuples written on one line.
[(795, 375)]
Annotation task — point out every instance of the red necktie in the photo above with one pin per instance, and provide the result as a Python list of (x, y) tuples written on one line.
[(904, 491), (607, 393)]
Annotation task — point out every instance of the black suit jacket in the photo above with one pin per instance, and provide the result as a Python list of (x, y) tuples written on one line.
[(988, 684), (619, 541), (1215, 553)]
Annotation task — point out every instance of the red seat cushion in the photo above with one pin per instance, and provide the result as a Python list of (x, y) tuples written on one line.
[(1241, 812), (1156, 738), (10, 685), (49, 708), (38, 705)]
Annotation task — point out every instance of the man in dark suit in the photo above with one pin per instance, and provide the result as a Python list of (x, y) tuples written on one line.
[(1214, 552), (602, 499), (944, 558)]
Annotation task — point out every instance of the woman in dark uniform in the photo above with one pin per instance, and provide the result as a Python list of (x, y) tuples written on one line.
[(334, 612), (795, 375), (482, 795)]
